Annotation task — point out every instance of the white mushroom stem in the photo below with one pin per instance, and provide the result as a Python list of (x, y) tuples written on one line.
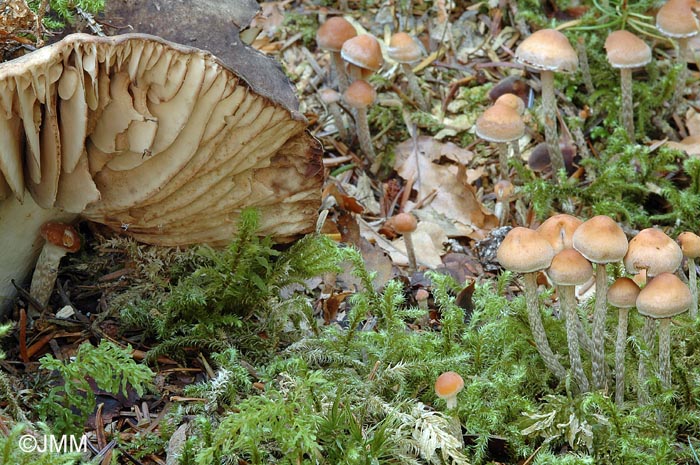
[(414, 87), (598, 330), (693, 284), (648, 331), (537, 328), (665, 352), (45, 273), (620, 345), (339, 65), (363, 136), (627, 110), (549, 107), (567, 299), (410, 251)]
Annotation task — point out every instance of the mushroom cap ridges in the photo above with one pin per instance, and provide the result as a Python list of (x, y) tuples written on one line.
[(500, 123), (665, 296), (676, 19), (363, 51), (690, 244), (569, 268), (448, 384), (403, 48), (524, 250), (652, 250), (626, 50), (332, 34), (549, 50), (600, 240), (173, 144), (623, 293), (360, 94), (559, 230)]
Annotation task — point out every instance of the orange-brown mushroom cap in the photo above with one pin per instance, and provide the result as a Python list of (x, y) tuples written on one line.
[(62, 235), (448, 384), (334, 33)]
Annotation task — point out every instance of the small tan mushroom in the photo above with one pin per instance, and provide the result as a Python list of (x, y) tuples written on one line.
[(60, 240)]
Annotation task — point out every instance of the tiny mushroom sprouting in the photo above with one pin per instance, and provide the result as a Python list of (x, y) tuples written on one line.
[(360, 95), (404, 50), (601, 241), (568, 270), (690, 246), (501, 124), (60, 240), (549, 51), (677, 20), (622, 295), (525, 251), (626, 51), (447, 386), (664, 297), (363, 56), (331, 36), (406, 224)]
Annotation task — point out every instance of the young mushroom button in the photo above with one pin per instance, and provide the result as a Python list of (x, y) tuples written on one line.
[(548, 51), (447, 386), (406, 224), (526, 251)]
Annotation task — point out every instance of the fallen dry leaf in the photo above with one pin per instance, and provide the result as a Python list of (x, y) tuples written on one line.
[(431, 166), (692, 122)]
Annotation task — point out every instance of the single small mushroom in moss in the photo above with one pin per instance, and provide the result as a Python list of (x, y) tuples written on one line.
[(690, 246), (626, 51), (447, 386), (549, 51), (331, 36), (623, 296), (664, 297), (406, 224), (404, 49), (500, 124), (359, 96), (568, 270), (601, 241), (504, 192), (525, 251), (61, 239)]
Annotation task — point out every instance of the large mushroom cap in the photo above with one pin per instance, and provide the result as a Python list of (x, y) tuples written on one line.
[(665, 296), (676, 19), (690, 244), (623, 293), (569, 268), (600, 240), (626, 50), (500, 123), (549, 50), (333, 33), (363, 51), (403, 48), (155, 138), (652, 250), (524, 250)]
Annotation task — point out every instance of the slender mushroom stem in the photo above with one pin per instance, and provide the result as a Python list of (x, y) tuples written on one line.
[(693, 284), (627, 110), (620, 345), (648, 331), (567, 300), (537, 328), (583, 65), (598, 330), (682, 74), (339, 65), (584, 339), (665, 352), (549, 107), (414, 87), (334, 110), (503, 158), (410, 252), (362, 126)]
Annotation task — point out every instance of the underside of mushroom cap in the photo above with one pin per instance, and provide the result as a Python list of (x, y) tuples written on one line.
[(159, 139)]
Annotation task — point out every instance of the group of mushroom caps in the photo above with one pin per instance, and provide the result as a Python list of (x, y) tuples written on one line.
[(566, 248), (355, 57), (548, 51)]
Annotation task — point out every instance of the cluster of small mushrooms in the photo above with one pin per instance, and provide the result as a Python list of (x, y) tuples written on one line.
[(153, 139), (566, 249)]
